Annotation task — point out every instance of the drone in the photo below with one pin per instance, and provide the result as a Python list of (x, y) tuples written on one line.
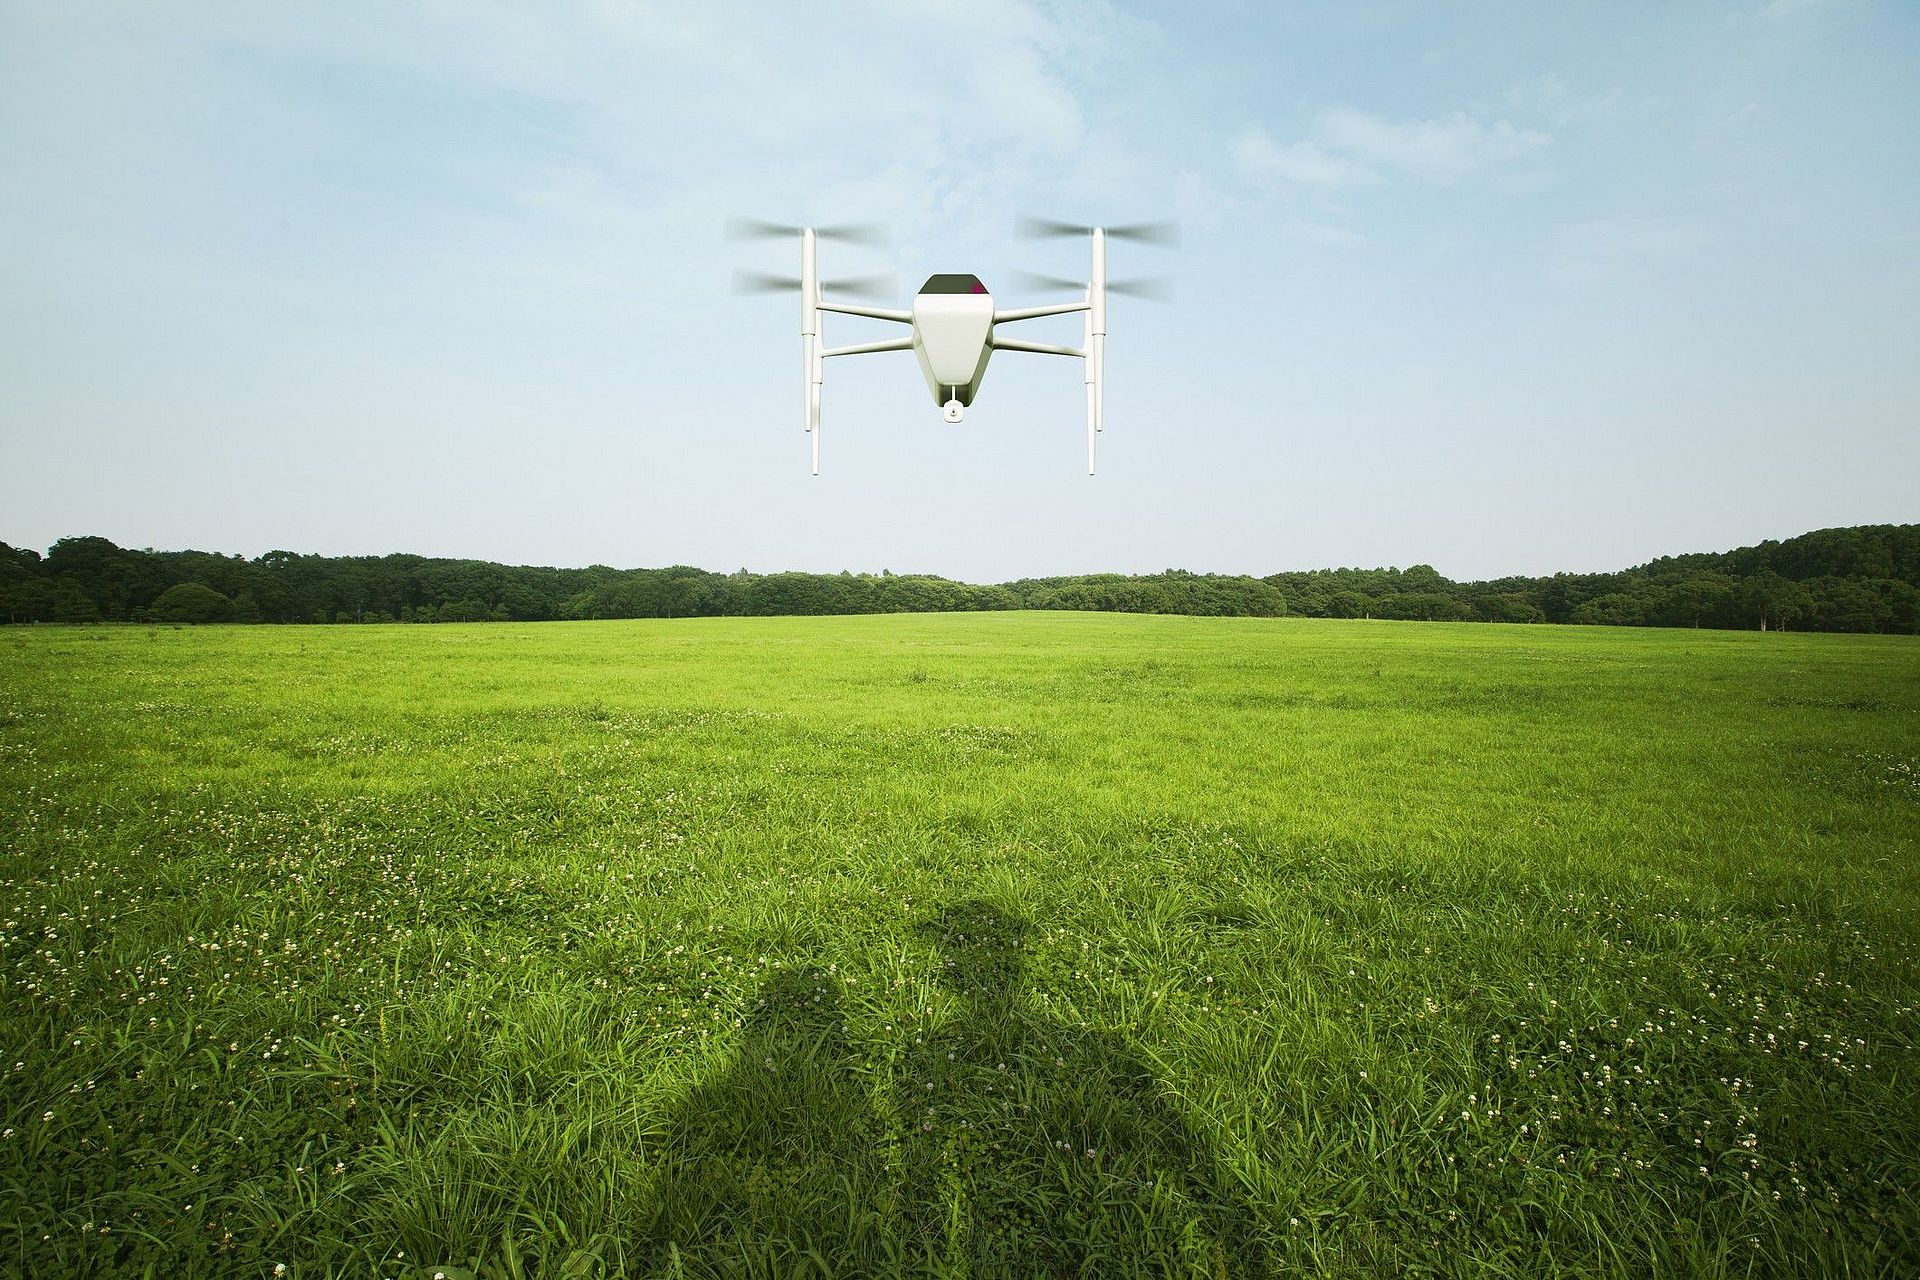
[(955, 326)]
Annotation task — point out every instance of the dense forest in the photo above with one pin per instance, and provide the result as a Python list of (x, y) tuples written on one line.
[(1858, 579)]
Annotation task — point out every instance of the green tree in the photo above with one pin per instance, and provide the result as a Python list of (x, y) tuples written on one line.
[(1903, 604), (583, 604), (1687, 602), (191, 602), (1773, 601), (25, 594), (1349, 604), (524, 603), (27, 600), (1839, 604), (70, 604), (115, 579), (1506, 606), (1423, 606), (1615, 609)]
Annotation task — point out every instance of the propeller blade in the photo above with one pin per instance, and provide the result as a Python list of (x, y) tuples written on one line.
[(867, 233), (858, 286), (754, 229), (1041, 228), (761, 282), (1160, 233), (861, 286), (1034, 280), (1152, 290), (846, 232)]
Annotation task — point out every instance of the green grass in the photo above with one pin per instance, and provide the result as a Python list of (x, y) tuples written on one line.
[(968, 945)]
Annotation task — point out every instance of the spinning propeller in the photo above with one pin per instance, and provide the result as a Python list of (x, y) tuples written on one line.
[(1166, 234), (1151, 288), (867, 233), (856, 286)]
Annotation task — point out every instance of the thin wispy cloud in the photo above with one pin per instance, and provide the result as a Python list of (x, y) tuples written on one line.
[(1304, 162), (1555, 99), (1444, 149), (1347, 147)]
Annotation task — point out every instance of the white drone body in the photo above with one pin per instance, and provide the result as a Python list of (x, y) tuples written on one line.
[(954, 333)]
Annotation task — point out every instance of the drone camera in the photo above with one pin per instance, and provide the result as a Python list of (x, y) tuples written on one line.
[(955, 411)]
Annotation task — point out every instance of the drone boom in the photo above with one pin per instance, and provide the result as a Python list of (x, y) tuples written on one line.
[(810, 337)]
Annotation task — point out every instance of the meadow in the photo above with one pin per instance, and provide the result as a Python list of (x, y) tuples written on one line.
[(958, 945)]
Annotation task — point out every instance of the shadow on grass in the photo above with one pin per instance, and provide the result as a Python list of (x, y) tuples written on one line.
[(774, 1168), (1005, 1144), (1048, 1150)]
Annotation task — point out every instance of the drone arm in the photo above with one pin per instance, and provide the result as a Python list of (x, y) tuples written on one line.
[(810, 339), (1097, 335), (1038, 348), (1091, 378), (1034, 313), (868, 348), (871, 313), (813, 347)]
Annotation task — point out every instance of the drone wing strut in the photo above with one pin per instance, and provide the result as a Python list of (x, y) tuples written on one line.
[(1093, 349), (813, 348), (1096, 342), (810, 336)]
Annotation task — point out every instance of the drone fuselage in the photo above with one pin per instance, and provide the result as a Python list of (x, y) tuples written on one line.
[(953, 336)]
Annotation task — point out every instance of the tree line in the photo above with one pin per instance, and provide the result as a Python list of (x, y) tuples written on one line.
[(1857, 579)]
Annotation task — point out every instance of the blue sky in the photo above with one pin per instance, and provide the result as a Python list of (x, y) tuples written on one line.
[(1502, 288)]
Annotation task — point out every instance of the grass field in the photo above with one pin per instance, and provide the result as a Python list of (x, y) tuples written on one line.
[(970, 945)]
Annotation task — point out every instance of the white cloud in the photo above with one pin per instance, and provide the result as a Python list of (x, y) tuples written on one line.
[(1347, 147), (759, 105), (1259, 158), (1447, 149), (1553, 97)]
